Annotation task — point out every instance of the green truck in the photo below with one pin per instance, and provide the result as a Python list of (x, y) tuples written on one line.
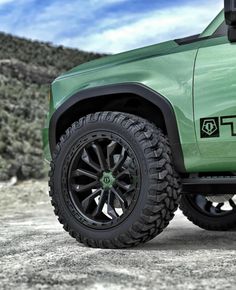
[(131, 136)]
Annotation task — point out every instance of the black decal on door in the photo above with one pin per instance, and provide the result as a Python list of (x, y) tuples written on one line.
[(209, 127), (230, 121)]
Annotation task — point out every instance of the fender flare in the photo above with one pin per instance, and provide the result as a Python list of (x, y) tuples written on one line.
[(133, 88)]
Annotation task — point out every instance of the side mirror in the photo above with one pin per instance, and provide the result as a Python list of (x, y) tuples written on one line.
[(230, 19)]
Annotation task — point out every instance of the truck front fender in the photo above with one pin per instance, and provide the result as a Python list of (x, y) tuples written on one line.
[(126, 88)]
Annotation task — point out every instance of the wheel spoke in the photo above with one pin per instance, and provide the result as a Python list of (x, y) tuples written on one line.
[(127, 187), (121, 174), (208, 206), (123, 206), (81, 188), (110, 149), (87, 159), (121, 160), (201, 201), (102, 161), (101, 203), (82, 172), (88, 200), (219, 206), (110, 206), (120, 196), (232, 203)]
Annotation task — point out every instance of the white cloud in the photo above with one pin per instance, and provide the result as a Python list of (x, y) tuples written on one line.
[(54, 20), (148, 28), (3, 2), (108, 32)]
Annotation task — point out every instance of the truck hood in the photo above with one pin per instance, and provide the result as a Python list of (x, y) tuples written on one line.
[(125, 57)]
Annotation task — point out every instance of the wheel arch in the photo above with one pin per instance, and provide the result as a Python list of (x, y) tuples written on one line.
[(132, 98)]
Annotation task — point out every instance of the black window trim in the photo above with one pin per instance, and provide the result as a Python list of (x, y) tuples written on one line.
[(196, 38)]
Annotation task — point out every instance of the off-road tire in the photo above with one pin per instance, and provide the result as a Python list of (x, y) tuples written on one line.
[(159, 193), (206, 222)]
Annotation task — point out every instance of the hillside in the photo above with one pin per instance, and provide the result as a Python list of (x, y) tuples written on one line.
[(26, 69)]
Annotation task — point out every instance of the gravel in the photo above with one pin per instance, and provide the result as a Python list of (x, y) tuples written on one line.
[(36, 253)]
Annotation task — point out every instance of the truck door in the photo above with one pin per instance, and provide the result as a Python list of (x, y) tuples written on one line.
[(215, 103)]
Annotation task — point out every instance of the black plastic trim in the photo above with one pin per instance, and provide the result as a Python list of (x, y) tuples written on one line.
[(188, 40), (220, 31), (209, 186), (134, 88), (232, 33)]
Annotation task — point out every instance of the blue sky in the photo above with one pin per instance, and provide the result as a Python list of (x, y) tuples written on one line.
[(106, 25)]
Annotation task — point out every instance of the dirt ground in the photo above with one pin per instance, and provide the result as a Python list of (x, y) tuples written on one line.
[(35, 252)]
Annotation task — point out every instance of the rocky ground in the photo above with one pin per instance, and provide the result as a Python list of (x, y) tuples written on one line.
[(35, 253)]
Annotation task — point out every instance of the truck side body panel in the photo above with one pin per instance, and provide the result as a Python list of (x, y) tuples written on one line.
[(170, 75), (215, 102), (182, 75)]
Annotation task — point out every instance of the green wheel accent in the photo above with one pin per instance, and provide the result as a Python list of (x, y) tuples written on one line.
[(107, 180)]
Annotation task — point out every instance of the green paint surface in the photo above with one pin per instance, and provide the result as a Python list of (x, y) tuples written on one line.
[(107, 180), (198, 79)]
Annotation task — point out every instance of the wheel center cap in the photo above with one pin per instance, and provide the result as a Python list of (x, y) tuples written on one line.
[(107, 180)]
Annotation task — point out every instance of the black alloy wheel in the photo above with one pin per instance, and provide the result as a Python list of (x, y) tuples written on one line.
[(221, 205), (103, 180), (214, 212)]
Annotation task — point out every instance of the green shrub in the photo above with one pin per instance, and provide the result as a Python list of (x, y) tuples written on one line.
[(26, 69)]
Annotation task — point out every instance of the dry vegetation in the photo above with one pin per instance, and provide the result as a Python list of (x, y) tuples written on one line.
[(26, 69)]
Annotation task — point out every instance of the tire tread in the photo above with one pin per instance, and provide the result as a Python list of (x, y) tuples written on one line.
[(163, 192)]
